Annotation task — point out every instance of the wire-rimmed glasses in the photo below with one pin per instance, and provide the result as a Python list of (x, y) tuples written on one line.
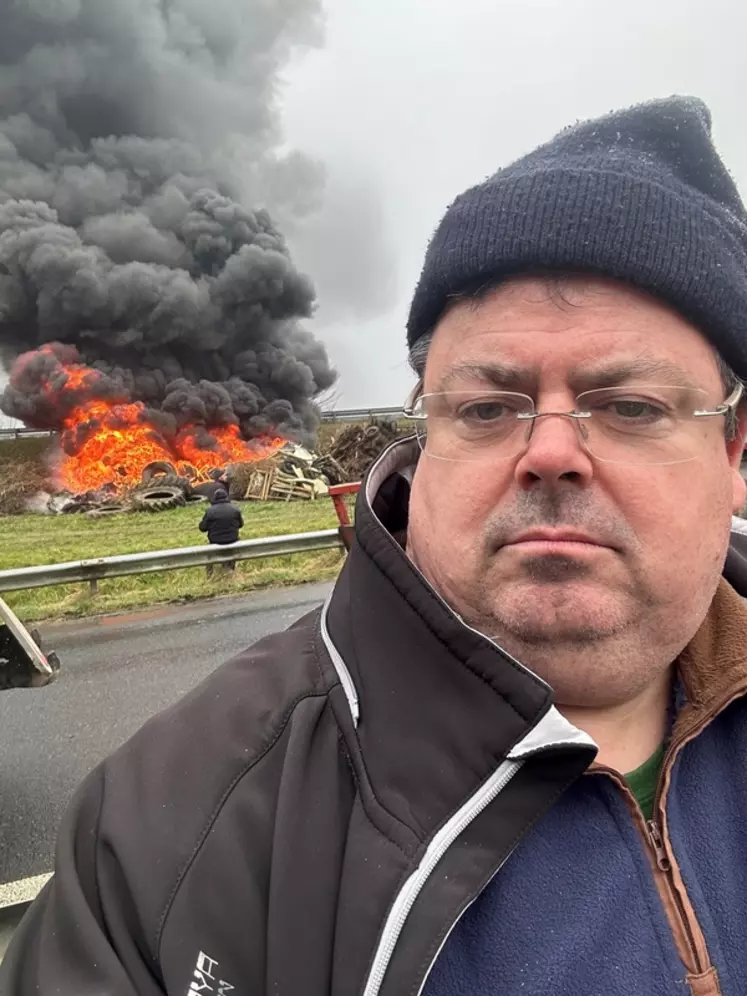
[(632, 424)]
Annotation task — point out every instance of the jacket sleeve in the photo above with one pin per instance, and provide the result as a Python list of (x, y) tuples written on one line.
[(240, 519), (81, 936), (205, 522)]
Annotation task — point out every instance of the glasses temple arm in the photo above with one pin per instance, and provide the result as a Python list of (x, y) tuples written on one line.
[(412, 397)]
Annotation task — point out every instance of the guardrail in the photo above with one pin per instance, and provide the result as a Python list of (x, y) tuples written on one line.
[(25, 433), (343, 415), (95, 570), (356, 414)]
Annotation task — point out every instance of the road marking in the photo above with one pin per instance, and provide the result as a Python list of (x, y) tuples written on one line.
[(22, 891)]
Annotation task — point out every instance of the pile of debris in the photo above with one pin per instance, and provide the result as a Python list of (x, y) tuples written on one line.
[(295, 473), (355, 448)]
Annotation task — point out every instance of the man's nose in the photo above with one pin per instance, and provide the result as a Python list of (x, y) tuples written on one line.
[(555, 452)]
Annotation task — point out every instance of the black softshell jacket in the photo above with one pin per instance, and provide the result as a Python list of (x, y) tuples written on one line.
[(315, 817), (222, 522)]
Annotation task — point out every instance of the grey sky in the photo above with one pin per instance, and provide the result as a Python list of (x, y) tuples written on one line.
[(411, 101)]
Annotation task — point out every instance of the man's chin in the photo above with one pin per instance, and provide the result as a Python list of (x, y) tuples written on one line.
[(574, 611)]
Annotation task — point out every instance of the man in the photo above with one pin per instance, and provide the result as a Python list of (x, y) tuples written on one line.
[(384, 800), (222, 522)]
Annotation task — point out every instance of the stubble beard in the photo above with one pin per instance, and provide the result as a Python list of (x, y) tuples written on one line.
[(574, 631), (557, 600)]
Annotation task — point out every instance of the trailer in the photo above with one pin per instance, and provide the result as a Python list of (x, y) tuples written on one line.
[(22, 661)]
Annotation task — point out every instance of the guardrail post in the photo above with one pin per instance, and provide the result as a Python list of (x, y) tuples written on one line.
[(93, 587)]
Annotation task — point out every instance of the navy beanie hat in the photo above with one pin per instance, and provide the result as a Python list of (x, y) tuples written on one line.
[(640, 195)]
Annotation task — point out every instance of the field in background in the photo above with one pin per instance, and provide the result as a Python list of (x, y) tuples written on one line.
[(26, 540)]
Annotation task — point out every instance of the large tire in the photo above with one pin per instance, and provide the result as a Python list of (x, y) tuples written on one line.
[(163, 470), (161, 474), (158, 499)]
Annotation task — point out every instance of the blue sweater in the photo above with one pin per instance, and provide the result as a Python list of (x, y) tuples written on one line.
[(575, 910)]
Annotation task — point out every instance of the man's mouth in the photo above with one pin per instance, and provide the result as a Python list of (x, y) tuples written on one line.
[(558, 541)]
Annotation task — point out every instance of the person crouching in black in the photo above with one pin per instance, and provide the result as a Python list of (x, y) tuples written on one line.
[(222, 522)]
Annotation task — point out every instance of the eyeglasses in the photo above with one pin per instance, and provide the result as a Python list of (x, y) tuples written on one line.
[(635, 424)]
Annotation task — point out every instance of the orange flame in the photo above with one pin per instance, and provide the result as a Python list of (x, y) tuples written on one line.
[(117, 441), (229, 448), (114, 452)]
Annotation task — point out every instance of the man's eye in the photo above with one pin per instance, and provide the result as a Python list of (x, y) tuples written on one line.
[(635, 409), (486, 411)]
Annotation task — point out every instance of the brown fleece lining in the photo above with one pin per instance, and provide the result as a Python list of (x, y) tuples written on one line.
[(713, 666)]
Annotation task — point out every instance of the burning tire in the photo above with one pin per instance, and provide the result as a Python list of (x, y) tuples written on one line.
[(158, 499), (165, 473)]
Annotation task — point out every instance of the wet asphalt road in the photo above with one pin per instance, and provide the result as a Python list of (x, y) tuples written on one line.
[(116, 673)]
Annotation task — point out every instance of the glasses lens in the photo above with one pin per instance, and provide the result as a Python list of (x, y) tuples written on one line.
[(467, 425), (645, 424)]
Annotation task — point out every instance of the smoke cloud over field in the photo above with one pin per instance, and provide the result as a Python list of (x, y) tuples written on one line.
[(135, 136)]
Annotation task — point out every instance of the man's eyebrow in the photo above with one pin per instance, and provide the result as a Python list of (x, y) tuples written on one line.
[(507, 377), (501, 376), (641, 369)]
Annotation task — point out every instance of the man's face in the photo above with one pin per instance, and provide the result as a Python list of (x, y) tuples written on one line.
[(594, 619)]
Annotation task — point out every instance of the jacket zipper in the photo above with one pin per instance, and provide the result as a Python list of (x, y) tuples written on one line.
[(685, 929), (699, 961), (346, 680), (551, 732), (440, 844), (686, 925), (450, 931)]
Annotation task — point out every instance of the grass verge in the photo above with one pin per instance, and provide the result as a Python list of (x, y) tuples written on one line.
[(26, 540)]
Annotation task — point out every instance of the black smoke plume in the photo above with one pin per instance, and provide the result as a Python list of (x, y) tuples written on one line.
[(133, 136)]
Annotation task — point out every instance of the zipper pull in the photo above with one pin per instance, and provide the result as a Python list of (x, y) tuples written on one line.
[(657, 843)]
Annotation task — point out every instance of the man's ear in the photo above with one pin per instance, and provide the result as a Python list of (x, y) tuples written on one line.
[(735, 453)]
